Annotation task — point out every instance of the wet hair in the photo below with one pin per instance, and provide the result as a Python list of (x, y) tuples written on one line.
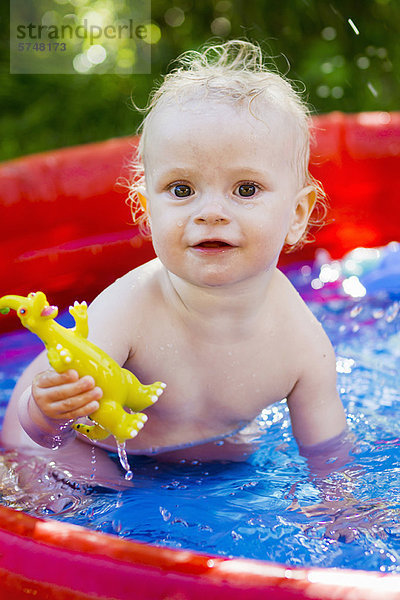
[(233, 72)]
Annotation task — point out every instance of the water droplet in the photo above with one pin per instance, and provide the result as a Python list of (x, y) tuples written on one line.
[(353, 287), (166, 515), (392, 312), (344, 365), (123, 459), (93, 462), (353, 26), (355, 311), (249, 205), (117, 526), (329, 273), (210, 563)]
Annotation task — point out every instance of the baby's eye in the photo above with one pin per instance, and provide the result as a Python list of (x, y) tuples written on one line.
[(182, 190), (246, 190)]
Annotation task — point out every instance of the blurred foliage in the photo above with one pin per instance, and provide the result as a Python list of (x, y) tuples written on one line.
[(346, 52)]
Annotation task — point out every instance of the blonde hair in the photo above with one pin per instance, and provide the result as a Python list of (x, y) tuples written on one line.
[(231, 72)]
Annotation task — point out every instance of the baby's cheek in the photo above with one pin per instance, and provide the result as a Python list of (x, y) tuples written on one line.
[(165, 241), (268, 239)]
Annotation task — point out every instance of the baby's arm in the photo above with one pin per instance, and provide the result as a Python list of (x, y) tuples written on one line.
[(316, 410), (47, 409), (44, 402)]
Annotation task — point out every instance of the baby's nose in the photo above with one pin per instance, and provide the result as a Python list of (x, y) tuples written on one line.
[(211, 211)]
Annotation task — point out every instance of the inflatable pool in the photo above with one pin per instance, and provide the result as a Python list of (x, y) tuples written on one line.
[(66, 229)]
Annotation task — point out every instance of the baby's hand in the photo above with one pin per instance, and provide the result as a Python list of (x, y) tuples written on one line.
[(65, 396)]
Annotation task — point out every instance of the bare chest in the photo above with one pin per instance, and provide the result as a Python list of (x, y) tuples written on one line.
[(213, 385)]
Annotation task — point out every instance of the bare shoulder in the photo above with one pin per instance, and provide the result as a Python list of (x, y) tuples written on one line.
[(307, 347), (131, 287), (307, 333), (116, 316)]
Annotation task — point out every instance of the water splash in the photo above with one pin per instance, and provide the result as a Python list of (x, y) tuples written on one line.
[(38, 486), (93, 462), (123, 459)]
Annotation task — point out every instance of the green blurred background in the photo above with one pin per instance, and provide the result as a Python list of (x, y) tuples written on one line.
[(347, 53)]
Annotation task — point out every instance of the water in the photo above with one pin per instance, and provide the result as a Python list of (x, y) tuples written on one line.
[(272, 507), (123, 459)]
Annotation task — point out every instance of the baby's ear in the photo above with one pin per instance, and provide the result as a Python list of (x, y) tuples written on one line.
[(141, 194), (304, 204)]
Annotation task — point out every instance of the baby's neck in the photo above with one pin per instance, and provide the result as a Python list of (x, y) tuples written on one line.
[(220, 307)]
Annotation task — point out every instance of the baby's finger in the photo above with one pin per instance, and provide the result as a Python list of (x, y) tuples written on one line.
[(78, 406), (50, 378), (56, 393)]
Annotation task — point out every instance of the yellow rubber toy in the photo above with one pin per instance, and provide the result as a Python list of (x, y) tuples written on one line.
[(70, 349)]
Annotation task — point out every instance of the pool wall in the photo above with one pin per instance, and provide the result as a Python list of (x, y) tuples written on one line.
[(66, 229)]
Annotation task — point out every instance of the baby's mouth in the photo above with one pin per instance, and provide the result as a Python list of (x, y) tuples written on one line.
[(213, 244), (213, 247)]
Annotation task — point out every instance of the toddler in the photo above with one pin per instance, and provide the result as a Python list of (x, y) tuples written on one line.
[(224, 187)]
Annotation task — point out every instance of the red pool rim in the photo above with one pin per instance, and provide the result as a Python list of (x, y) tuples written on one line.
[(56, 238), (48, 559)]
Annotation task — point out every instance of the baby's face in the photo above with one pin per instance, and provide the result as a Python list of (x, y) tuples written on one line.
[(220, 190)]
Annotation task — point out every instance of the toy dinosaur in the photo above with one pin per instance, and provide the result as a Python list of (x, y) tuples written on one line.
[(70, 349)]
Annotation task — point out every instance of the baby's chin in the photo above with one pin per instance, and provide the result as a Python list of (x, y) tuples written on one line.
[(204, 279)]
